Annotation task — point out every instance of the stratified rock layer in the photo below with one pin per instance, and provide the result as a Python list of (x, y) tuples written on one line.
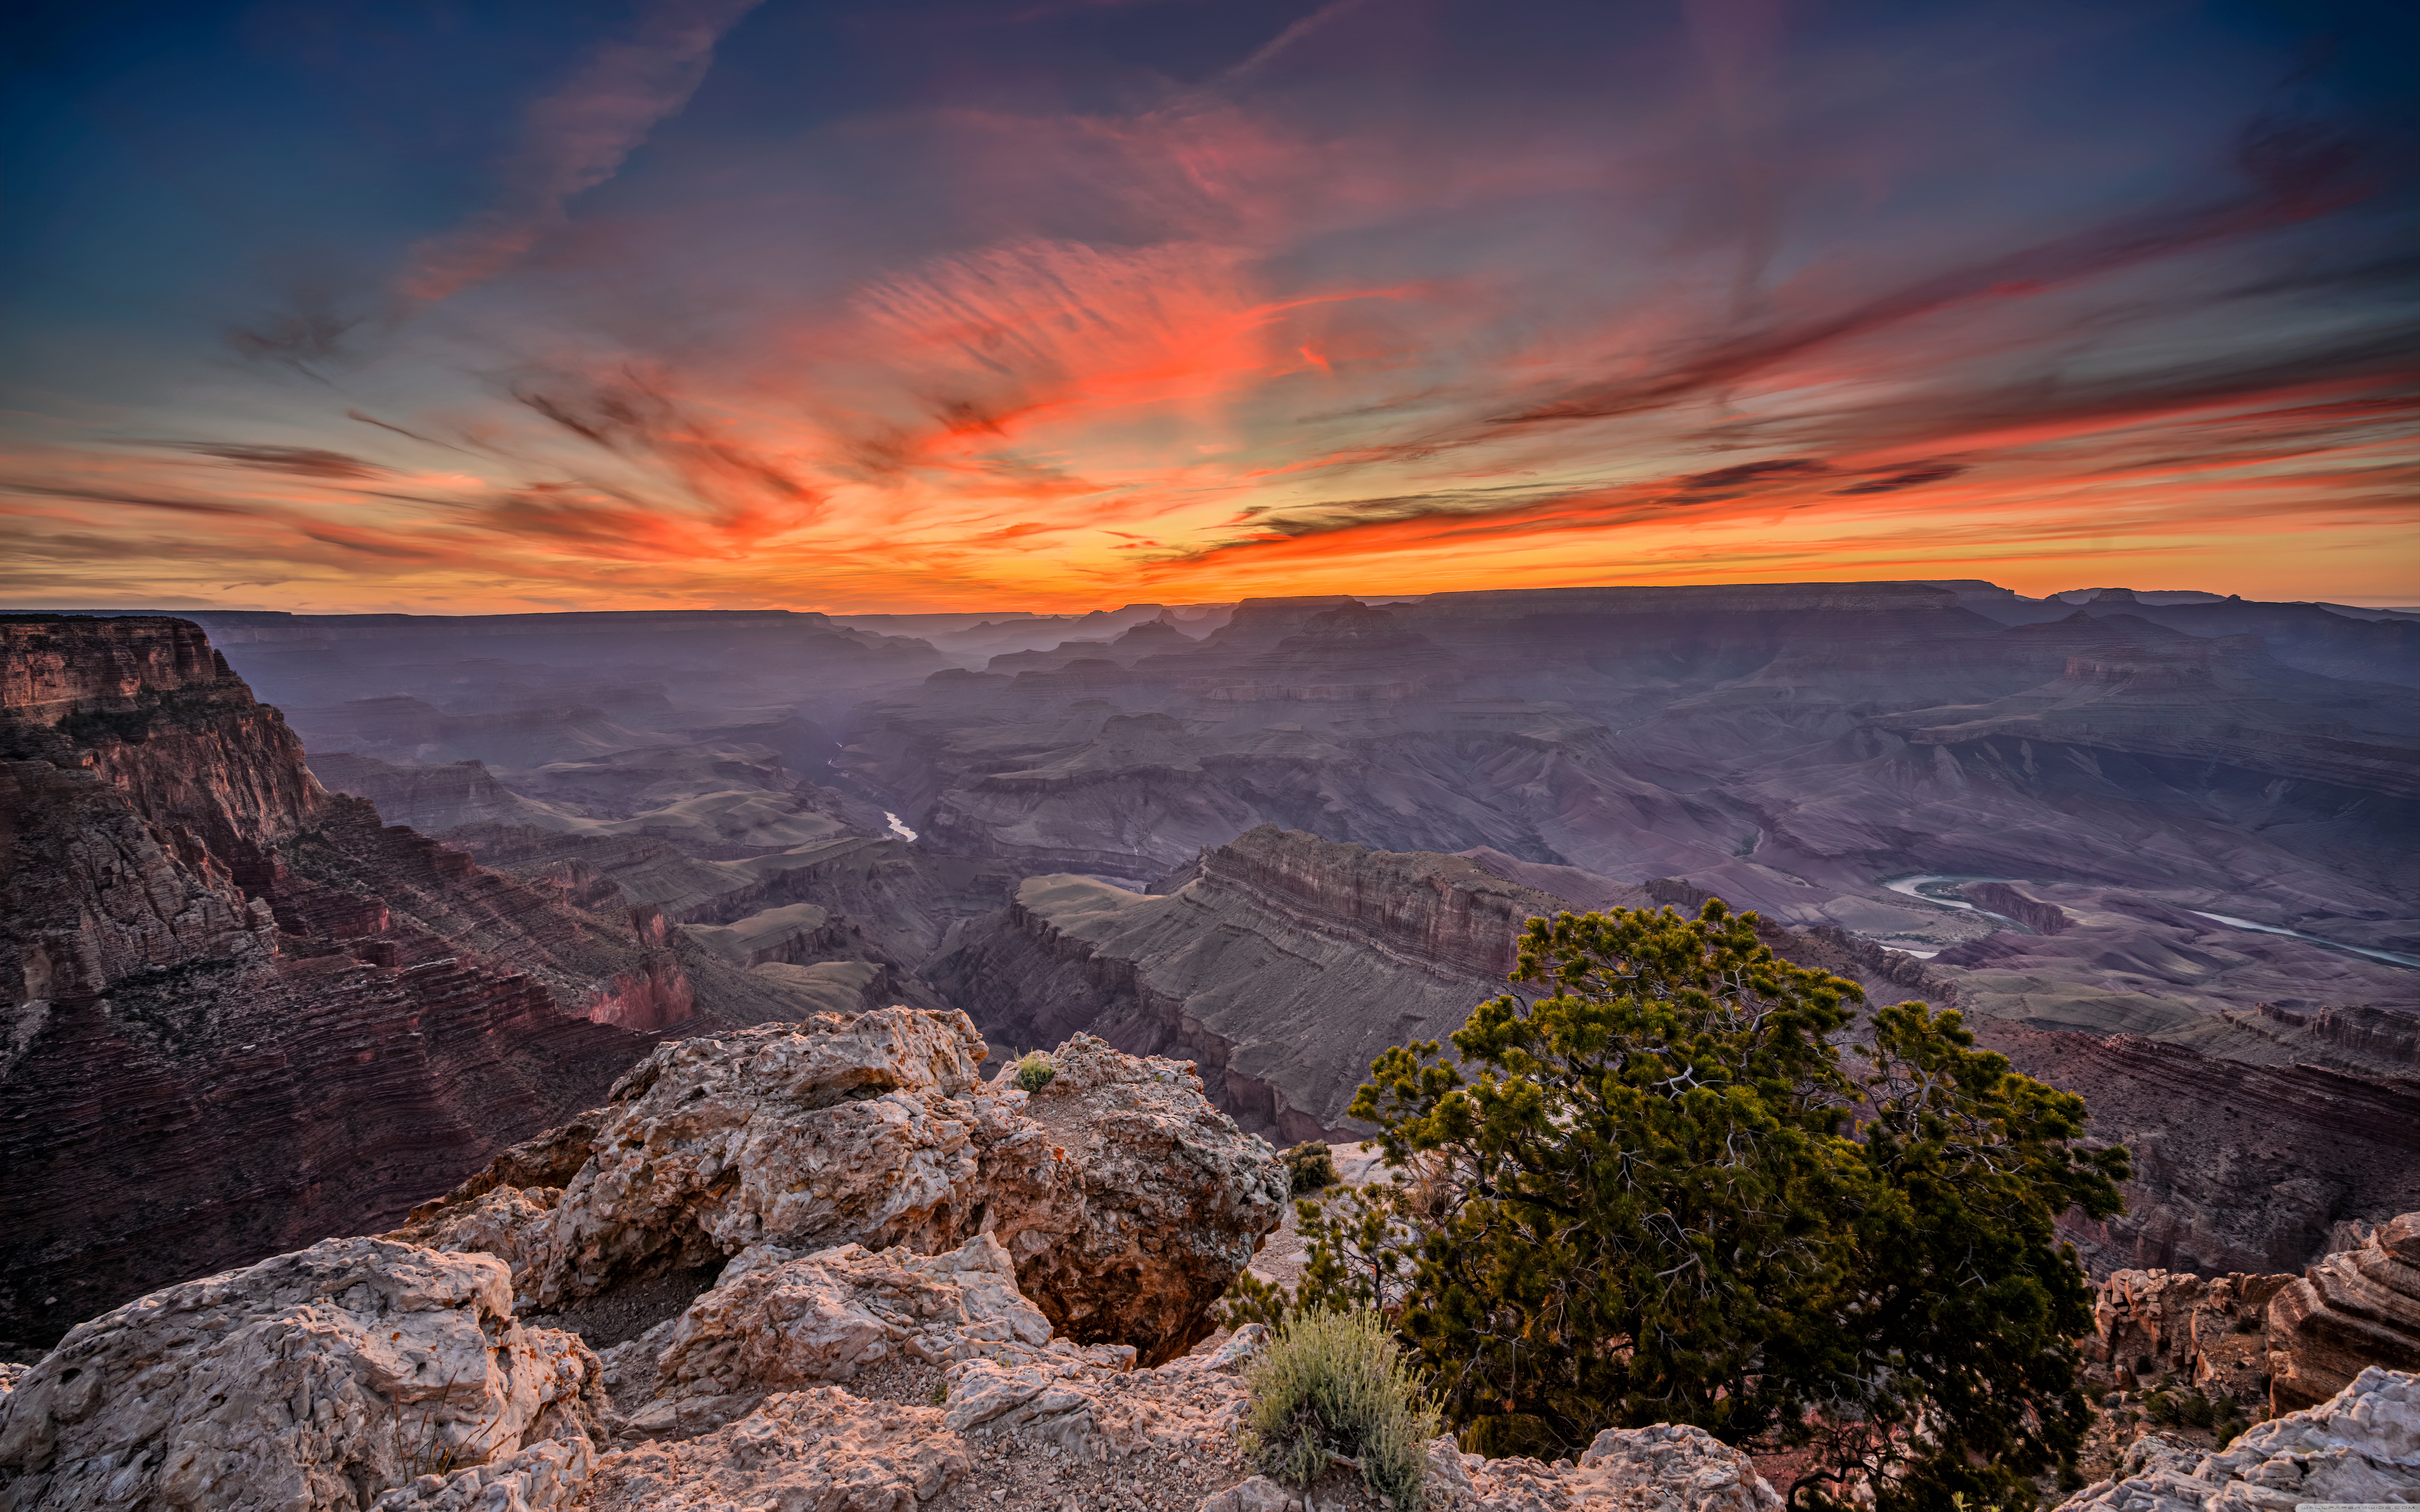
[(242, 1014), (2353, 1310), (1282, 965), (2237, 1167)]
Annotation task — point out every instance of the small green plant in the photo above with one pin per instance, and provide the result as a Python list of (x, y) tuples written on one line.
[(1309, 1167), (1250, 1299), (940, 1392), (1333, 1389), (1034, 1071)]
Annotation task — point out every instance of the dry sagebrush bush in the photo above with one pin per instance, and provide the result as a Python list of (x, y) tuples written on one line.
[(1333, 1389)]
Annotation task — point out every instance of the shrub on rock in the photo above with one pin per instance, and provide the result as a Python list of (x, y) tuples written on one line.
[(1334, 1387), (1310, 1166)]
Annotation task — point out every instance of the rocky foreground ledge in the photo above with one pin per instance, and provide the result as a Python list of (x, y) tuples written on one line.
[(2361, 1446), (928, 1293)]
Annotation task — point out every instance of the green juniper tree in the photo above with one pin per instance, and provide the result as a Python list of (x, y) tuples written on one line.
[(1663, 1193)]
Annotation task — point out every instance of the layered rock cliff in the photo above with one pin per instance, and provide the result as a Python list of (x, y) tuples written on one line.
[(244, 1013), (2237, 1167), (2225, 702), (2355, 1309), (1281, 964)]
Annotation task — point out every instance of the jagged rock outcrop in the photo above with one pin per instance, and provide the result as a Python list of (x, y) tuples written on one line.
[(2363, 1444), (376, 1371), (1283, 966), (1174, 1200), (1126, 1202), (828, 1130), (373, 1374), (1666, 1468), (2209, 1334), (776, 1320), (2354, 1310), (1005, 1411), (304, 1381)]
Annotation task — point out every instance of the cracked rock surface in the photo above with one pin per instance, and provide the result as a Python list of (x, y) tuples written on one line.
[(2363, 1444), (1125, 1200), (304, 1381)]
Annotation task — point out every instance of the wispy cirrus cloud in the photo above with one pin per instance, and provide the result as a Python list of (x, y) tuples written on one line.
[(575, 137)]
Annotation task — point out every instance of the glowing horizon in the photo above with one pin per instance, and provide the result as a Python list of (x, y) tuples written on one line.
[(1296, 298)]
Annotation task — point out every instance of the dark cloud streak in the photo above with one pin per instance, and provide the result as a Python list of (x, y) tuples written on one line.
[(2114, 245), (305, 461)]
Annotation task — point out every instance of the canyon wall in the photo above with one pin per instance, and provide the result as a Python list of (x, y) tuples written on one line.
[(2237, 1166), (1282, 965), (243, 1013)]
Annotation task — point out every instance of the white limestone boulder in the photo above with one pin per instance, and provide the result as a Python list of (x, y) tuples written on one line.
[(311, 1380)]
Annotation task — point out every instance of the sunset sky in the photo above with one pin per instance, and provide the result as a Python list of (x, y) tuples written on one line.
[(939, 304)]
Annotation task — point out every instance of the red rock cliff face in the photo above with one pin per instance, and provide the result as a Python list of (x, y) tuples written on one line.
[(242, 1012), (1439, 909), (168, 724), (159, 784)]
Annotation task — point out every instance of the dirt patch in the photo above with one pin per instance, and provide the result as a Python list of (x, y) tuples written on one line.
[(622, 1313)]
